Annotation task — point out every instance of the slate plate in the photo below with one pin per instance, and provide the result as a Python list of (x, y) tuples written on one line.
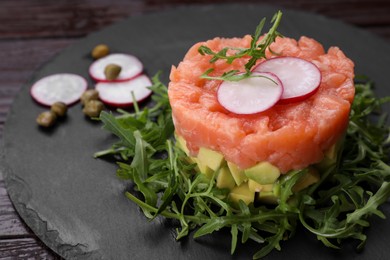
[(76, 204)]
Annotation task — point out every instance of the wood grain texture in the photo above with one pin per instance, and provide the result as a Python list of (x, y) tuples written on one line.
[(10, 223), (16, 239), (25, 248), (362, 13), (77, 18), (61, 18), (33, 31)]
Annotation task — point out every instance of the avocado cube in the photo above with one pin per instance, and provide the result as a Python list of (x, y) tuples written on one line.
[(243, 193), (204, 169), (312, 176), (331, 156), (238, 174), (276, 189), (267, 197), (225, 179), (257, 187), (325, 164), (331, 153), (263, 173), (210, 158), (330, 159), (182, 144)]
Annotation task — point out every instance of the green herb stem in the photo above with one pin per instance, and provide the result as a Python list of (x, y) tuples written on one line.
[(336, 208), (256, 51)]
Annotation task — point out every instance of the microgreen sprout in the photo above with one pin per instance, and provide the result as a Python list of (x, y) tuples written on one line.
[(256, 51)]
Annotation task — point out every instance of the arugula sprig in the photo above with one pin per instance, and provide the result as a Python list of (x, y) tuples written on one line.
[(338, 207), (255, 52), (361, 182)]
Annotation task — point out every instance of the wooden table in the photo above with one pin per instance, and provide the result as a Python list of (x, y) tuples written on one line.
[(33, 31)]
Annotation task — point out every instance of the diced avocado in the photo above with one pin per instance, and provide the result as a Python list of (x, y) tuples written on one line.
[(238, 174), (330, 159), (210, 158), (257, 187), (191, 159), (311, 177), (325, 164), (276, 189), (204, 169), (225, 179), (243, 193), (331, 153), (263, 173), (269, 196), (182, 144)]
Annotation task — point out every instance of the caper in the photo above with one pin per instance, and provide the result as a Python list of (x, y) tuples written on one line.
[(46, 119), (100, 51), (90, 94), (112, 71), (59, 108), (93, 108)]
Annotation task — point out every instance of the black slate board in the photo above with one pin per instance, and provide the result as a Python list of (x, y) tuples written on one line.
[(76, 204)]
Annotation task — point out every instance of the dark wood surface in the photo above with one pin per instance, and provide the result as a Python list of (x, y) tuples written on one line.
[(33, 31)]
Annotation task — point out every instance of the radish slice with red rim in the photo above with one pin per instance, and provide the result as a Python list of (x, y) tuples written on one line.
[(300, 78), (62, 87), (119, 94), (251, 95), (130, 65)]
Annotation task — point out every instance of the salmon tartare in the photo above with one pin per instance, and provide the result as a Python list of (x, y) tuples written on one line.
[(289, 136)]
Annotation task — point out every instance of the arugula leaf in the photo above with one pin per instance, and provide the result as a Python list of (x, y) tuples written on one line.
[(255, 52), (140, 160), (114, 126), (336, 208), (214, 224), (234, 233), (172, 180), (371, 205), (272, 243)]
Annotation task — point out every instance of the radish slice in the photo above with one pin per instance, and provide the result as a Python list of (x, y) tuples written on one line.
[(251, 95), (63, 87), (118, 94), (300, 78), (130, 67)]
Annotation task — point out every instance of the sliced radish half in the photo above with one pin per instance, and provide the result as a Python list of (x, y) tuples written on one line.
[(251, 95), (130, 67), (118, 94), (300, 78), (63, 87)]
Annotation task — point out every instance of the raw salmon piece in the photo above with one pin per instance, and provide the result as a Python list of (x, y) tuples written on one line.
[(290, 136)]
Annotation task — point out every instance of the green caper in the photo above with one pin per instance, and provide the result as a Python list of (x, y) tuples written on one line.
[(46, 119), (90, 94), (93, 108), (59, 108), (111, 71), (100, 51)]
